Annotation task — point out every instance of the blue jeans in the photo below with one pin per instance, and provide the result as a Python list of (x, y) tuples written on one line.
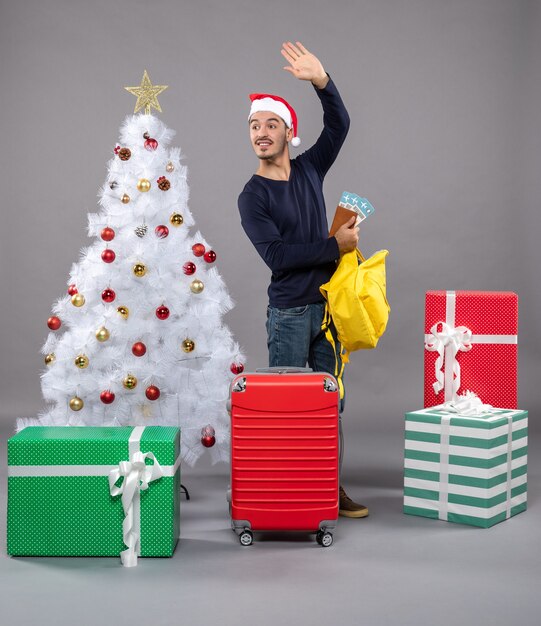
[(295, 338)]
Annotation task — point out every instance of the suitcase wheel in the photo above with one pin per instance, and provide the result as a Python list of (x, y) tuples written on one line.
[(246, 537), (324, 539)]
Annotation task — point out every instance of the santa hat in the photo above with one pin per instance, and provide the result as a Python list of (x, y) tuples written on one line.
[(275, 104)]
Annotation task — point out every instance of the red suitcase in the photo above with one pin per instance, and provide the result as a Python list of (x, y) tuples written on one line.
[(284, 453)]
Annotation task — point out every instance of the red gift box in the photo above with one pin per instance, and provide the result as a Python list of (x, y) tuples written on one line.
[(471, 345)]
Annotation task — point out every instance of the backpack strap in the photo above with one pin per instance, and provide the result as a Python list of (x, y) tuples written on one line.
[(344, 354)]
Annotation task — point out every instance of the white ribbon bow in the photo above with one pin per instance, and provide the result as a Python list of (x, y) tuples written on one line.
[(447, 343), (136, 478), (468, 404)]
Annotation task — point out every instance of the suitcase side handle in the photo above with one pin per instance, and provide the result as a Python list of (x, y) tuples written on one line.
[(281, 369)]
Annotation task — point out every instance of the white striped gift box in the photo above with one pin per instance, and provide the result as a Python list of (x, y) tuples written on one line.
[(470, 470)]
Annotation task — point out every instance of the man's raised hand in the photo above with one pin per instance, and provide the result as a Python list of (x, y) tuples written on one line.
[(303, 64)]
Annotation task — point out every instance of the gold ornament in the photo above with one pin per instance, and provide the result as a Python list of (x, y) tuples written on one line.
[(197, 286), (188, 345), (125, 198), (169, 167), (50, 358), (147, 94), (78, 300), (143, 184), (124, 311), (102, 334), (82, 361), (130, 382), (176, 219), (76, 404), (139, 269)]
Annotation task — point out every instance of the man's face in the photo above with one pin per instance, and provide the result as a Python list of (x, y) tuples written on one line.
[(269, 134)]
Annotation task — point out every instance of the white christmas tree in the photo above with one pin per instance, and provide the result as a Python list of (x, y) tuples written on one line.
[(139, 339)]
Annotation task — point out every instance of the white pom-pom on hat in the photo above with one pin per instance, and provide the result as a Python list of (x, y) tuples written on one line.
[(276, 104)]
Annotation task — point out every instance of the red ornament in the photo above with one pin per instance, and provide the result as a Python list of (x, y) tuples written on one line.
[(107, 397), (189, 268), (152, 392), (139, 348), (198, 249), (117, 150), (237, 368), (54, 323), (161, 231), (72, 290), (210, 256), (108, 256), (108, 295), (162, 312), (107, 234), (207, 436), (151, 144)]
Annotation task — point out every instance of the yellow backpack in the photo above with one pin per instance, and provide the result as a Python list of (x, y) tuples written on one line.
[(357, 304)]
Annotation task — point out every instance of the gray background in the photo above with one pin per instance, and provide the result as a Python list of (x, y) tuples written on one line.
[(445, 141)]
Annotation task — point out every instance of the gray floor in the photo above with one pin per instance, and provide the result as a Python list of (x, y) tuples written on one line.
[(386, 569)]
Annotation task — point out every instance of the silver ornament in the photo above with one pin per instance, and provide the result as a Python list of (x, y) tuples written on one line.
[(141, 231)]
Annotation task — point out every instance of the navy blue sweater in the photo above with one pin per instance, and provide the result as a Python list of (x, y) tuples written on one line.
[(286, 220)]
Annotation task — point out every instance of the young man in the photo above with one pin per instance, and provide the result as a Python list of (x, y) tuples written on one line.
[(283, 213)]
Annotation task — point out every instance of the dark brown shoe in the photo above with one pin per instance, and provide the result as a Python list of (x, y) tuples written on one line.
[(348, 508)]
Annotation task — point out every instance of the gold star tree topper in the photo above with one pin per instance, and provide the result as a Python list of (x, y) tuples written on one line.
[(147, 94)]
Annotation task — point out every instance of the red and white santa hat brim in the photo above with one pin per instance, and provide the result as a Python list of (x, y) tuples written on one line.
[(275, 104)]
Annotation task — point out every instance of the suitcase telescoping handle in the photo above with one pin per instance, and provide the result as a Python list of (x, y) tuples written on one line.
[(281, 369)]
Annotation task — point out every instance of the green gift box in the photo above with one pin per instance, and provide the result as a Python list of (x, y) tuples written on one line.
[(466, 469), (93, 491)]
